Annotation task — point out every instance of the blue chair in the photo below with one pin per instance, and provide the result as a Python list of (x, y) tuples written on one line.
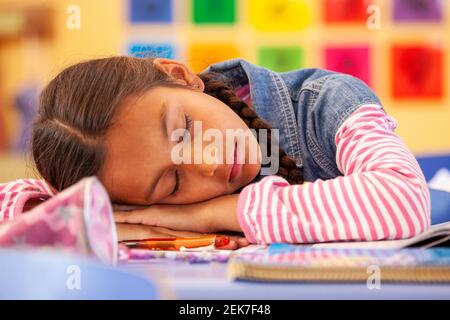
[(440, 206), (42, 274)]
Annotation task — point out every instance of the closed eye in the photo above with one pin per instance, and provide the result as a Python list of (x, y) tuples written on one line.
[(188, 121), (188, 125), (177, 183)]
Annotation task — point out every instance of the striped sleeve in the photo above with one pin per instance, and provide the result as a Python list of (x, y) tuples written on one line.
[(14, 195), (382, 194)]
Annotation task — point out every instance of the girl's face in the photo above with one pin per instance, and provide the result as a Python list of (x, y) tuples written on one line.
[(142, 163)]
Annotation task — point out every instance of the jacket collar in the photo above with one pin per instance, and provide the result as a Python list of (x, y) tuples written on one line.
[(270, 98)]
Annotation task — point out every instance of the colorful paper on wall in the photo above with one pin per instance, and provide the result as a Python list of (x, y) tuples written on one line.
[(142, 50), (201, 55), (350, 60), (280, 59), (213, 12), (345, 11), (278, 15), (418, 10), (150, 11), (417, 72)]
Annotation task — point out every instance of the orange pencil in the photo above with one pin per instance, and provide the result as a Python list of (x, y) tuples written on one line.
[(177, 243)]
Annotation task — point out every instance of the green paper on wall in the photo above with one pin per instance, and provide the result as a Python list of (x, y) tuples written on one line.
[(212, 12), (280, 59)]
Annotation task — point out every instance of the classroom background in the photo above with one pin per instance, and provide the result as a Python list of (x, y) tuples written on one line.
[(400, 48)]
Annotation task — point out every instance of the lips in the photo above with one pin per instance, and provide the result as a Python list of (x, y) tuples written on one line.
[(235, 167)]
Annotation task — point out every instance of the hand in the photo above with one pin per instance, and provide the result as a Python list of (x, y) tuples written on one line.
[(211, 216), (127, 231)]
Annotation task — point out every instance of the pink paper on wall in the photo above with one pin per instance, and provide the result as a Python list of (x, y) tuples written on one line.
[(350, 60)]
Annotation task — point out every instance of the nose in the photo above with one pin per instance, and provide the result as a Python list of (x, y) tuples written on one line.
[(210, 162)]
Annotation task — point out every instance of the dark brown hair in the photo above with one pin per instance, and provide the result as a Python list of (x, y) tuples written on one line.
[(77, 108)]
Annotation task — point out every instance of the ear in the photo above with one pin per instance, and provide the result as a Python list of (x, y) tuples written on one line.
[(180, 72)]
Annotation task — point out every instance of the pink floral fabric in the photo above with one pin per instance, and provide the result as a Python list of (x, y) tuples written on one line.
[(78, 219)]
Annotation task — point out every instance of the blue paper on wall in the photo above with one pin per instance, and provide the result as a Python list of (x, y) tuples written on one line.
[(148, 50), (150, 11)]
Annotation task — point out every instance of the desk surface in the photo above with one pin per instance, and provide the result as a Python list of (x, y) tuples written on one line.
[(209, 281)]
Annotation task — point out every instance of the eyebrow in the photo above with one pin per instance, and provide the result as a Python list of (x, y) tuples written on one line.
[(163, 121)]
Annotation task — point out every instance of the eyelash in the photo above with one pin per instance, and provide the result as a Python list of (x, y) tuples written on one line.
[(188, 120), (177, 183)]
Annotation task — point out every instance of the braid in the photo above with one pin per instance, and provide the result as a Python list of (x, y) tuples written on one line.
[(217, 86)]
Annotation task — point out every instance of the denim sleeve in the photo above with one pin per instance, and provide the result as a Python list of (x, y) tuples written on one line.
[(338, 97)]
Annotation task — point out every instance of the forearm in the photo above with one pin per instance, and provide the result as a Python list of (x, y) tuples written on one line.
[(214, 215), (357, 207), (223, 212), (382, 195)]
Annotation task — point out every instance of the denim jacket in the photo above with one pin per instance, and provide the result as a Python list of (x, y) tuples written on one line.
[(307, 106)]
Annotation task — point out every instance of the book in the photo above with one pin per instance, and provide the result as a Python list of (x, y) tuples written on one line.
[(437, 235), (292, 263)]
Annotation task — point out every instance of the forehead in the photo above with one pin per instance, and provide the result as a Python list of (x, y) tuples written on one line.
[(130, 146), (134, 107), (133, 122)]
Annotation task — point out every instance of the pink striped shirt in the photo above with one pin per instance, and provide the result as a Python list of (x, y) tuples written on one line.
[(15, 194), (381, 195)]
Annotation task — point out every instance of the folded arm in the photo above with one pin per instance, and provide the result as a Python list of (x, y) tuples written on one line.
[(382, 195)]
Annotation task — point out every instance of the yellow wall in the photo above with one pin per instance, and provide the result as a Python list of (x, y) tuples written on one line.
[(100, 34)]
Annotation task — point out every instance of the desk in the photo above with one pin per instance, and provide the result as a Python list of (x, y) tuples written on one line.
[(209, 281)]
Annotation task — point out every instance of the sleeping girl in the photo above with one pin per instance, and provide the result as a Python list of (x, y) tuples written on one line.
[(316, 158)]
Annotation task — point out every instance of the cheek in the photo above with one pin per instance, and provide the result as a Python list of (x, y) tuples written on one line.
[(200, 190), (250, 173)]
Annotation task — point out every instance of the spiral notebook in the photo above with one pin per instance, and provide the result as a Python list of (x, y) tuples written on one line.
[(291, 263), (436, 235)]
